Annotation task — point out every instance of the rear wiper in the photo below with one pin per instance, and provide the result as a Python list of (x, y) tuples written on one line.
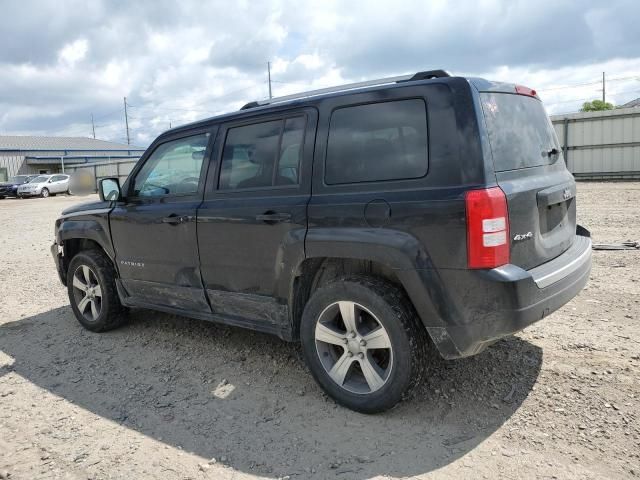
[(554, 152), (550, 153)]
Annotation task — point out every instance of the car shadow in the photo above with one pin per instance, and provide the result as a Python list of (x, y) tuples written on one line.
[(246, 398)]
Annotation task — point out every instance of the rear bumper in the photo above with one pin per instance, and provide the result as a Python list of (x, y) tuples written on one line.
[(495, 303)]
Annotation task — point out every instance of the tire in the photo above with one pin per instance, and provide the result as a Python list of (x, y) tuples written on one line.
[(91, 274), (399, 366), (44, 193)]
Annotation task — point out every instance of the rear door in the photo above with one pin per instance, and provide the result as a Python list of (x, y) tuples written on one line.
[(255, 214), (531, 171), (57, 184)]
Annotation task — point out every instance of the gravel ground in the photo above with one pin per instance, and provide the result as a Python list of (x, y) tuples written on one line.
[(173, 398)]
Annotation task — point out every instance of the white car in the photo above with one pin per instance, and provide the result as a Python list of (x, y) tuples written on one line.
[(45, 185)]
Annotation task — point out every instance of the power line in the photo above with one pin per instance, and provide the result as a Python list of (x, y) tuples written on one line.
[(173, 109), (586, 99), (598, 82), (108, 114)]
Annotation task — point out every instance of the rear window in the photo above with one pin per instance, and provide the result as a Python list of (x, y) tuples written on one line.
[(378, 141), (520, 132)]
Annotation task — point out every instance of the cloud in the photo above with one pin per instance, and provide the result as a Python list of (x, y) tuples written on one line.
[(178, 62), (73, 52)]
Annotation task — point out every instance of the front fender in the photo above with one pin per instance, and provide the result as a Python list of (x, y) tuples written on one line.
[(90, 229)]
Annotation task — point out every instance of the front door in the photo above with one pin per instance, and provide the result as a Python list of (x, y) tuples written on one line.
[(254, 217), (154, 228)]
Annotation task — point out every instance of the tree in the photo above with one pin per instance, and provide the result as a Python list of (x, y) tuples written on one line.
[(596, 106)]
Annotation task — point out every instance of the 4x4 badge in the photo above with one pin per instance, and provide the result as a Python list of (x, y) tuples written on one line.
[(522, 236)]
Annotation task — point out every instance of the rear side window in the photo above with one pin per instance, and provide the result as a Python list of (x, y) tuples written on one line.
[(262, 155), (520, 132), (378, 141)]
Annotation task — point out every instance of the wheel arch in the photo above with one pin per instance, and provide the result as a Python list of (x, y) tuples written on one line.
[(75, 236), (315, 272), (392, 255)]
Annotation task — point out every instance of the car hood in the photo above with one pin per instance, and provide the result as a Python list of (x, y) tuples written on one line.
[(9, 184), (87, 206), (32, 184)]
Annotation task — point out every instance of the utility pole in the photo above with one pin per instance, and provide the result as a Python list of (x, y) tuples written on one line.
[(269, 75), (603, 88), (126, 120), (93, 127)]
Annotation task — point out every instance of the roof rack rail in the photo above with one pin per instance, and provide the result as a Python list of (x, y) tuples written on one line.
[(350, 86)]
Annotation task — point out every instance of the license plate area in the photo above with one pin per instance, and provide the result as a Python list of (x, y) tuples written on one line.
[(554, 217)]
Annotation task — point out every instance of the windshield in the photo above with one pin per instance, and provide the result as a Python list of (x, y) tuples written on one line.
[(520, 132), (19, 179), (40, 179)]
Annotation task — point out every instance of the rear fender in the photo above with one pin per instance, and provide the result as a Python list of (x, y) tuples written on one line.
[(397, 250)]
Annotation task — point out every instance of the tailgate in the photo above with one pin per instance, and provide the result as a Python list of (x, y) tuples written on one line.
[(530, 169)]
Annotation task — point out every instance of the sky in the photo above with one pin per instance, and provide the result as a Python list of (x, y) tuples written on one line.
[(63, 61)]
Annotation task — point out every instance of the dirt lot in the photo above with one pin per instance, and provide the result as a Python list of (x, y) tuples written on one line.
[(173, 398)]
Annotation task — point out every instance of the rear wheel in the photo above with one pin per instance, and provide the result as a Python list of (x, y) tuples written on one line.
[(362, 343), (92, 292), (44, 193)]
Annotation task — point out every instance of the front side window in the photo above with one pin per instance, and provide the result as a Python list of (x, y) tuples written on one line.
[(262, 155), (174, 168), (376, 142)]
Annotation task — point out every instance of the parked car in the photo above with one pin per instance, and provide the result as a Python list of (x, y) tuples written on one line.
[(10, 188), (45, 185), (361, 221)]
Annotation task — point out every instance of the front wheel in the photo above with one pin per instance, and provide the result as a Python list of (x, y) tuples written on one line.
[(92, 292), (362, 342), (44, 193)]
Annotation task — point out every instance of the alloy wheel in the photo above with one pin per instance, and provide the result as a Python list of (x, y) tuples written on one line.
[(87, 292), (354, 347)]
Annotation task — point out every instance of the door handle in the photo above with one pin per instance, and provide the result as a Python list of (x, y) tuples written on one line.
[(174, 219), (273, 217)]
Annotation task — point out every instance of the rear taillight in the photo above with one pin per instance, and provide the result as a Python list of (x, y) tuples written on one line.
[(487, 228)]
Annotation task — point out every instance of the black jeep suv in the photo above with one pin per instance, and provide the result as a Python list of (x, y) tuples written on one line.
[(361, 221)]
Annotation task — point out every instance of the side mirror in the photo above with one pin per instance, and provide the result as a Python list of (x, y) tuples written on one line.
[(109, 189)]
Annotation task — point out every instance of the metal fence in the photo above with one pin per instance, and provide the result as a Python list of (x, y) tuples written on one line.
[(99, 170), (601, 145)]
